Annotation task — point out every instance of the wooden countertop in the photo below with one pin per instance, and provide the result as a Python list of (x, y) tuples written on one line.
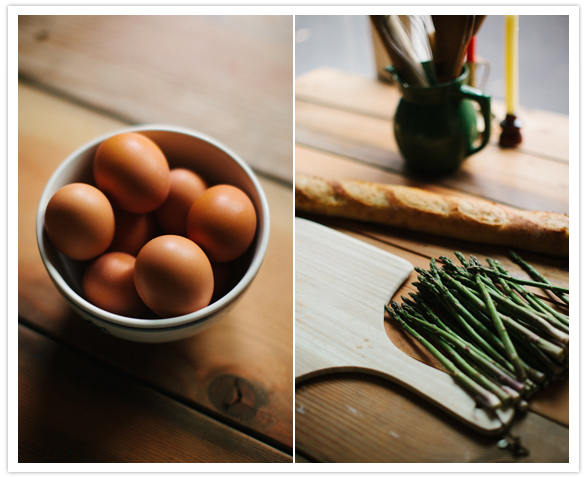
[(225, 395), (344, 130)]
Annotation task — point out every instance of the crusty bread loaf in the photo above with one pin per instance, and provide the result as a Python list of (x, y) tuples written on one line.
[(470, 219)]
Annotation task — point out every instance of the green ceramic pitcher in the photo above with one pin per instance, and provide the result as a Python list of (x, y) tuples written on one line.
[(436, 127)]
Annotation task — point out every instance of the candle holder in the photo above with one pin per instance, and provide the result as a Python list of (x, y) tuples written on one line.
[(510, 131)]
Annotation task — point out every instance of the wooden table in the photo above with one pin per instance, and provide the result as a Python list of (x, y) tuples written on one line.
[(343, 130), (225, 395)]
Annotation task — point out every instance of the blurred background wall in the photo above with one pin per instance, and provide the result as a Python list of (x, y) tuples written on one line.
[(345, 42)]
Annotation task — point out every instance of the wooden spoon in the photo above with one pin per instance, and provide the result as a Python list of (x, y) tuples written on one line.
[(453, 33)]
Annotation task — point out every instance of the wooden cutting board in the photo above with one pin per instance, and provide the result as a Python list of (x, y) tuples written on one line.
[(341, 287)]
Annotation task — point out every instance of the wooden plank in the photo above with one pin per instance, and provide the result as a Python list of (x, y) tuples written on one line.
[(357, 418), (347, 91), (72, 409), (508, 176), (253, 343), (230, 77), (301, 459), (545, 134)]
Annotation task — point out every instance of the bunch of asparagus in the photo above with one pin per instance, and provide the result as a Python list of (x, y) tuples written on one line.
[(500, 341)]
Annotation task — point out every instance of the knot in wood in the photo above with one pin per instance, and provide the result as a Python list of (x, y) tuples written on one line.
[(234, 396)]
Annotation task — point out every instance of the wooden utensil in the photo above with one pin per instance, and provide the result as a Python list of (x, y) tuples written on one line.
[(342, 285), (399, 50), (453, 33), (479, 19)]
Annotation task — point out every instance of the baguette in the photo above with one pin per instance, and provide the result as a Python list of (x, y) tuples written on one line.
[(474, 220)]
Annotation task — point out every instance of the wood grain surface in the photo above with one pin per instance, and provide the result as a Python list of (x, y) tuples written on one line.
[(84, 411), (396, 426), (225, 395), (227, 76), (344, 130)]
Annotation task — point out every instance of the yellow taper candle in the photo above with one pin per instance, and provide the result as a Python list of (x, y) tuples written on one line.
[(511, 63)]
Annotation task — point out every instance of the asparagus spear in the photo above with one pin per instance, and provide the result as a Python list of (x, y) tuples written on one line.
[(535, 274), (502, 332), (515, 290), (521, 281)]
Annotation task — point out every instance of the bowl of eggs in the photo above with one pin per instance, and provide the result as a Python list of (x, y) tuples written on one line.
[(152, 233)]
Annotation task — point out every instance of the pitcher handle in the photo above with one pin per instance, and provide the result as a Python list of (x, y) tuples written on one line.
[(484, 101)]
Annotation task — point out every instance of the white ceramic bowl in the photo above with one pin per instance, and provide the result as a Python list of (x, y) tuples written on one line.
[(183, 148)]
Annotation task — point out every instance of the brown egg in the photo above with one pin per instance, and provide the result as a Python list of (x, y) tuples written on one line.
[(185, 187), (132, 171), (223, 222), (108, 283), (79, 221), (132, 231), (173, 276)]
